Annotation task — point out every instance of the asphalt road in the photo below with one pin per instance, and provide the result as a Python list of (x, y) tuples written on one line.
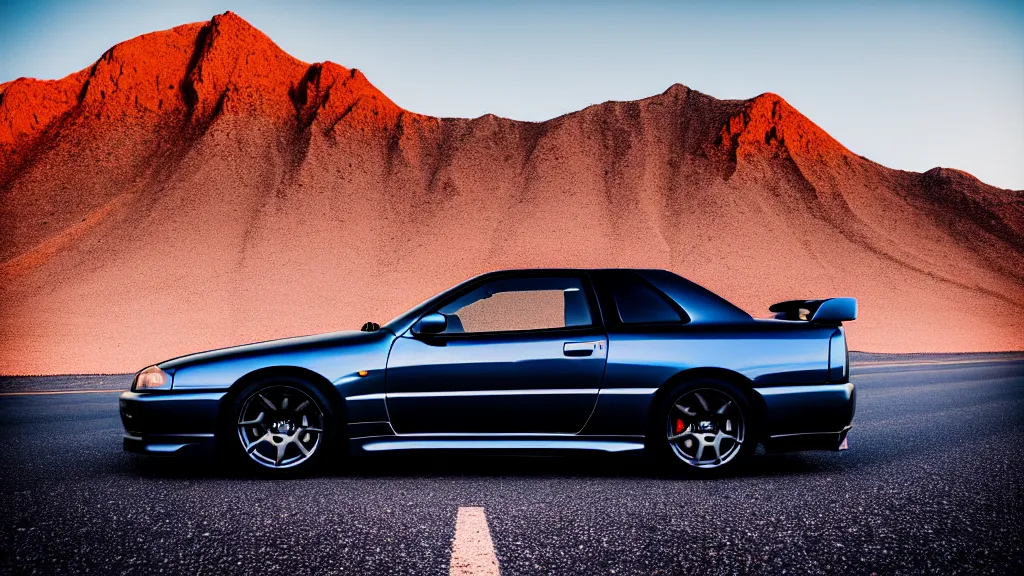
[(932, 483)]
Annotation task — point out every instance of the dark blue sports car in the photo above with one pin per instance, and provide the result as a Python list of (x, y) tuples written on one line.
[(606, 360)]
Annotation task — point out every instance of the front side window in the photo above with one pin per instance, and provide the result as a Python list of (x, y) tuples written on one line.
[(514, 304)]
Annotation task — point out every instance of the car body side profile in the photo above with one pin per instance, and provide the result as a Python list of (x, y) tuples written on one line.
[(605, 360)]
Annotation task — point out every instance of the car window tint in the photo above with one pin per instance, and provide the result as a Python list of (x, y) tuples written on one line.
[(639, 304), (519, 304)]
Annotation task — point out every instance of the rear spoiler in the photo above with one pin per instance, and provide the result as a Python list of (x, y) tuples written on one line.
[(828, 311)]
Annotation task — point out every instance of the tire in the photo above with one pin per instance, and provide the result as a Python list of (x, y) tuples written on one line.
[(279, 427), (704, 428)]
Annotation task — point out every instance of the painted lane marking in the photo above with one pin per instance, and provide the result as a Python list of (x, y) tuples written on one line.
[(49, 392), (915, 363), (472, 549)]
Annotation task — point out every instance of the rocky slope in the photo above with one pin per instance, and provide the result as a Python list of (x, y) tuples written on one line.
[(199, 187)]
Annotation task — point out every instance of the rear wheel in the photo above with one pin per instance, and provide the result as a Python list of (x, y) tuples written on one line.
[(280, 427), (705, 428)]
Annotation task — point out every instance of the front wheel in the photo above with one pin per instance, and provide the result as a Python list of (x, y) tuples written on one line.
[(281, 427), (705, 428)]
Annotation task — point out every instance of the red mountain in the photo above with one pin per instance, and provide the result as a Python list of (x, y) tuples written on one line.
[(199, 187)]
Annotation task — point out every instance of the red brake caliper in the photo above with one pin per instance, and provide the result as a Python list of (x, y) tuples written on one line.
[(679, 425)]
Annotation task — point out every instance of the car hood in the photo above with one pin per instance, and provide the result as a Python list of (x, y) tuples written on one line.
[(332, 339)]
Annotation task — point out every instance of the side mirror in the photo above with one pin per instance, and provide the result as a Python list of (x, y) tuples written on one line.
[(431, 324)]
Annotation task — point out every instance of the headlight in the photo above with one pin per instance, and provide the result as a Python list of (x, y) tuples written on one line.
[(152, 378)]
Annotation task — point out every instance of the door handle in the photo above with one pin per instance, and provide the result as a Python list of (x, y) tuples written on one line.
[(581, 348)]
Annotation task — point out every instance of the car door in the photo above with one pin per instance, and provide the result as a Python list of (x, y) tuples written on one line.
[(523, 353)]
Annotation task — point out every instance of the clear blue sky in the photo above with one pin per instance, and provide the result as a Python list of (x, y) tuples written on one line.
[(910, 84)]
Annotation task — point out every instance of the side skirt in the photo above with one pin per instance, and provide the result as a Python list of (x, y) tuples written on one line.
[(495, 443)]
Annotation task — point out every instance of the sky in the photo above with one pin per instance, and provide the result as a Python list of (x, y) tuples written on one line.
[(911, 84)]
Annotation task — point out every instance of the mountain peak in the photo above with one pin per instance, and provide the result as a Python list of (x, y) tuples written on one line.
[(949, 175), (229, 18), (235, 68), (677, 89), (768, 126), (193, 73)]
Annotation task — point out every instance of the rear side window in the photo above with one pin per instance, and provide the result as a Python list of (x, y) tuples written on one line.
[(639, 304)]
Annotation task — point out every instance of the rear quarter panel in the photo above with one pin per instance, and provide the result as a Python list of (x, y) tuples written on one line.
[(762, 353)]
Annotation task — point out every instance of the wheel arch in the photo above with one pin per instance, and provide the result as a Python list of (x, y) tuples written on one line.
[(691, 374), (314, 378)]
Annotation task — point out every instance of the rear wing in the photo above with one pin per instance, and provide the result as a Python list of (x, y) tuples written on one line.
[(831, 311)]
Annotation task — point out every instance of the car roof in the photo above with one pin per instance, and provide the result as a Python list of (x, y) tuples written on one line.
[(548, 270), (702, 305)]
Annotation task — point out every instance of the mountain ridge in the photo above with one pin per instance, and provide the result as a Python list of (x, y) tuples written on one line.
[(244, 185)]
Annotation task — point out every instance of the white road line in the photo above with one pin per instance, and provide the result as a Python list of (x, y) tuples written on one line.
[(472, 548), (911, 363), (48, 392)]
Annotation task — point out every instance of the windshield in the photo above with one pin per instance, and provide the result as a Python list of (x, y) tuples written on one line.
[(398, 323)]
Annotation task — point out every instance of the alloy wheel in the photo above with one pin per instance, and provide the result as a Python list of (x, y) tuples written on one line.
[(706, 428), (280, 426)]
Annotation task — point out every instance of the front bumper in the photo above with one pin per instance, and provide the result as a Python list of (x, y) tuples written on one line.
[(816, 417), (170, 423), (167, 444)]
